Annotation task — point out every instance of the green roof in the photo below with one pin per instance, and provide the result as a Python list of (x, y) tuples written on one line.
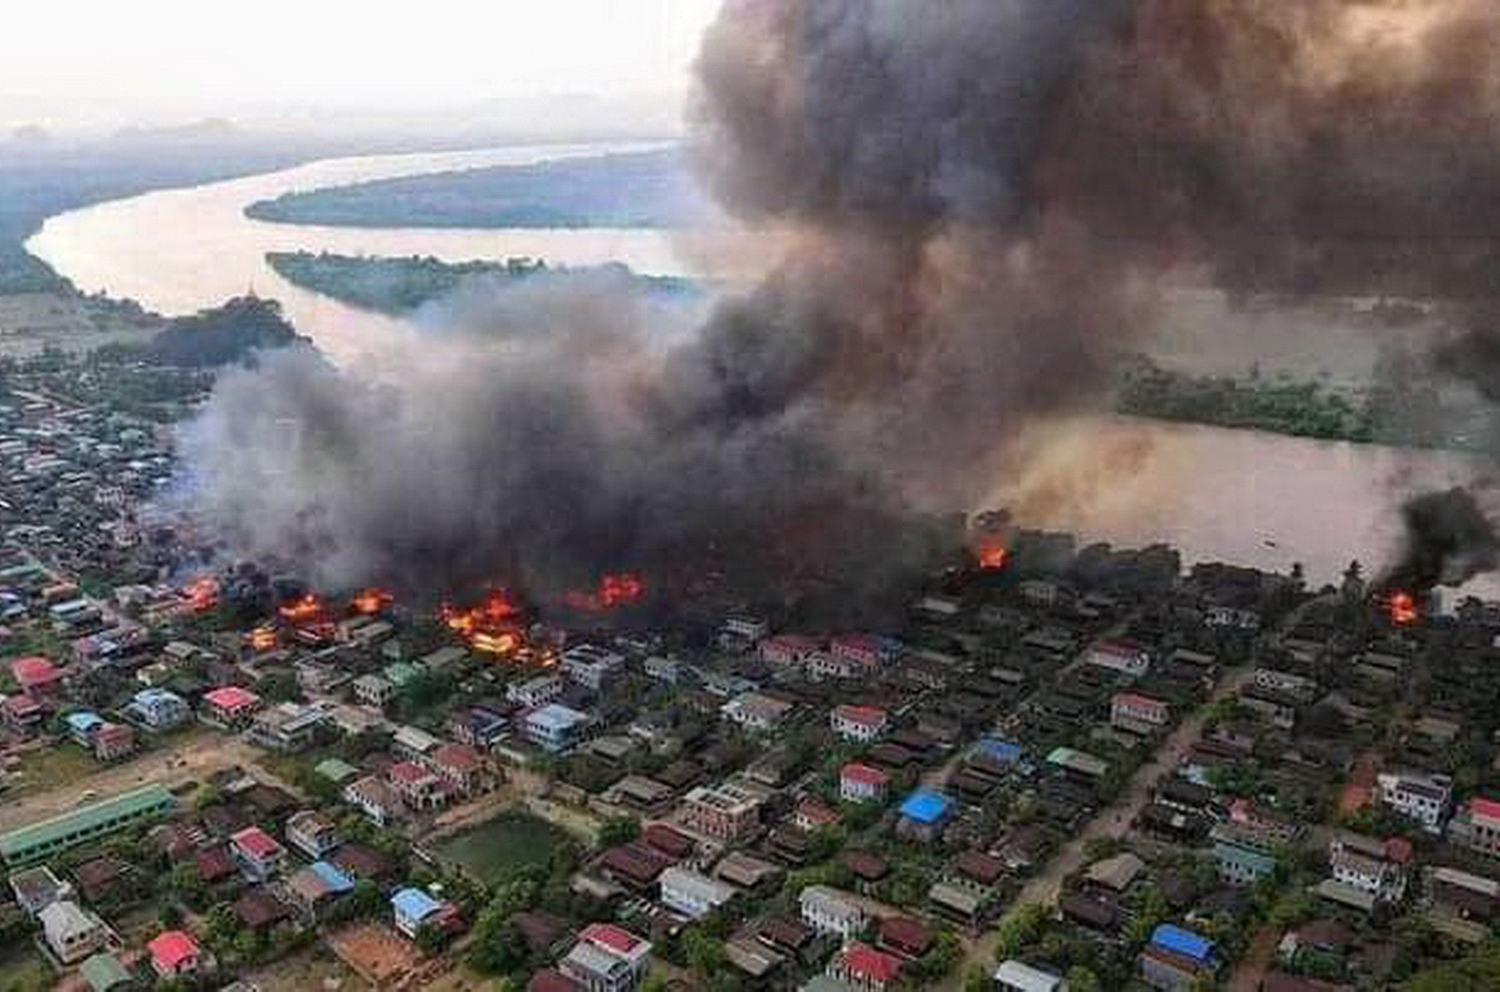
[(335, 769), (103, 972), (19, 843), (398, 673)]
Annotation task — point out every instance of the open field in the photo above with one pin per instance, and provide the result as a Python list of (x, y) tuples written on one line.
[(22, 967), (511, 840), (314, 968), (193, 755)]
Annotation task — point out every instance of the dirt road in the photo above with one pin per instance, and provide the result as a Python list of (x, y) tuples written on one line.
[(188, 756)]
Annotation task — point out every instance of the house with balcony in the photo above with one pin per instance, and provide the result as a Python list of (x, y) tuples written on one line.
[(312, 833), (859, 783), (159, 709), (607, 958), (419, 787), (556, 728), (1138, 713), (1476, 826), (860, 724), (692, 893), (230, 706), (726, 812), (257, 853), (1419, 796), (831, 911), (376, 799)]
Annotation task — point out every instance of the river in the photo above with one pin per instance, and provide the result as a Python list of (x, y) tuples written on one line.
[(1241, 496)]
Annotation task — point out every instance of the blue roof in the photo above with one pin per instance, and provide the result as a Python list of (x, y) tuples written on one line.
[(414, 904), (1184, 942), (1000, 750), (925, 807), (84, 720), (147, 696), (335, 879)]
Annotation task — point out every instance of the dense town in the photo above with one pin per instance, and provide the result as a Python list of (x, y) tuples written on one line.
[(1060, 768)]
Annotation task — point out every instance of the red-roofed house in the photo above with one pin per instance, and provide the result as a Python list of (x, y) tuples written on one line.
[(1477, 826), (1119, 656), (863, 784), (112, 741), (864, 967), (607, 958), (418, 786), (858, 723), (552, 980), (230, 705), (257, 853), (461, 765), (37, 677), (23, 714), (787, 650), (864, 650), (174, 953), (1137, 713), (811, 815)]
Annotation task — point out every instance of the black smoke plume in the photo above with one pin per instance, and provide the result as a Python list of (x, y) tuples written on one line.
[(1449, 540), (981, 199)]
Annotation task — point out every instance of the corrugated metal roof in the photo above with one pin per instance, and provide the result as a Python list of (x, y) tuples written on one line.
[(134, 803), (1184, 942)]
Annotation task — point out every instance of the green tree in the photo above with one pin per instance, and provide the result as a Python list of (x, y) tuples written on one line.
[(1081, 979), (619, 830), (1018, 928)]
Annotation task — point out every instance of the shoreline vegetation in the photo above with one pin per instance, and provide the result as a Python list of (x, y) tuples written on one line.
[(399, 285), (623, 190)]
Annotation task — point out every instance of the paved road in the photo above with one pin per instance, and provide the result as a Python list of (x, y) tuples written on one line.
[(1111, 822)]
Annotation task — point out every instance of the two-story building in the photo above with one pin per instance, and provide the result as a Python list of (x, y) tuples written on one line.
[(1419, 796), (858, 723)]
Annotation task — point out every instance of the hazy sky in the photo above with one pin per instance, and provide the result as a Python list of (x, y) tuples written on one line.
[(103, 62)]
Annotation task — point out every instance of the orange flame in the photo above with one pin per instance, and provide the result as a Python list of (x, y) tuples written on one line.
[(993, 557), (1402, 608), (371, 601), (305, 608), (202, 593), (617, 589), (263, 639), (492, 627)]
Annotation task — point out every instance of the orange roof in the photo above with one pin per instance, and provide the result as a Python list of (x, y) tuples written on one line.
[(231, 697), (171, 948)]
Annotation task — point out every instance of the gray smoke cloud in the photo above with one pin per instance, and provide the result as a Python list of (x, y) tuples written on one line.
[(983, 196)]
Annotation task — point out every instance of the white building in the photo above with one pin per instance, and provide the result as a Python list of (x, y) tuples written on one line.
[(590, 665), (374, 690), (1119, 656), (538, 691), (555, 727), (1370, 865), (827, 910), (1417, 796), (72, 932), (692, 894), (756, 712), (858, 723), (160, 709)]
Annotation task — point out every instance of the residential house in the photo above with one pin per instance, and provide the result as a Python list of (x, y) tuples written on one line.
[(1476, 826), (104, 973), (691, 893), (756, 712), (37, 888), (1418, 796), (462, 767), (1138, 714), (860, 783), (312, 833), (1243, 854), (22, 714), (159, 709), (828, 910), (1177, 959), (865, 968), (257, 853), (72, 933), (419, 787), (174, 955), (37, 677), (924, 814), (591, 665), (534, 692), (726, 812), (1017, 976), (374, 690), (1119, 656), (812, 815), (1378, 867), (317, 886), (787, 651), (412, 909), (477, 726), (230, 705), (858, 723), (607, 958), (290, 727), (555, 727), (375, 799)]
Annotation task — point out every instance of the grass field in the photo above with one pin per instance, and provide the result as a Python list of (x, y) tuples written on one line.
[(499, 846), (23, 970)]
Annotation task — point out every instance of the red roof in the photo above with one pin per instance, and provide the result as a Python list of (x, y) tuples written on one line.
[(256, 842), (870, 716), (171, 948), (862, 643), (793, 643), (552, 980), (408, 773), (864, 775), (864, 962), (459, 757), (1136, 700), (21, 705), (616, 939), (231, 697), (34, 671), (1398, 850), (1487, 808)]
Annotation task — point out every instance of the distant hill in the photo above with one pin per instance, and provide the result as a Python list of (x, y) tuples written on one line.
[(400, 285), (647, 189)]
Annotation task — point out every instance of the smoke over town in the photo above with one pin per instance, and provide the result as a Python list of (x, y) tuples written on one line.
[(984, 197)]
